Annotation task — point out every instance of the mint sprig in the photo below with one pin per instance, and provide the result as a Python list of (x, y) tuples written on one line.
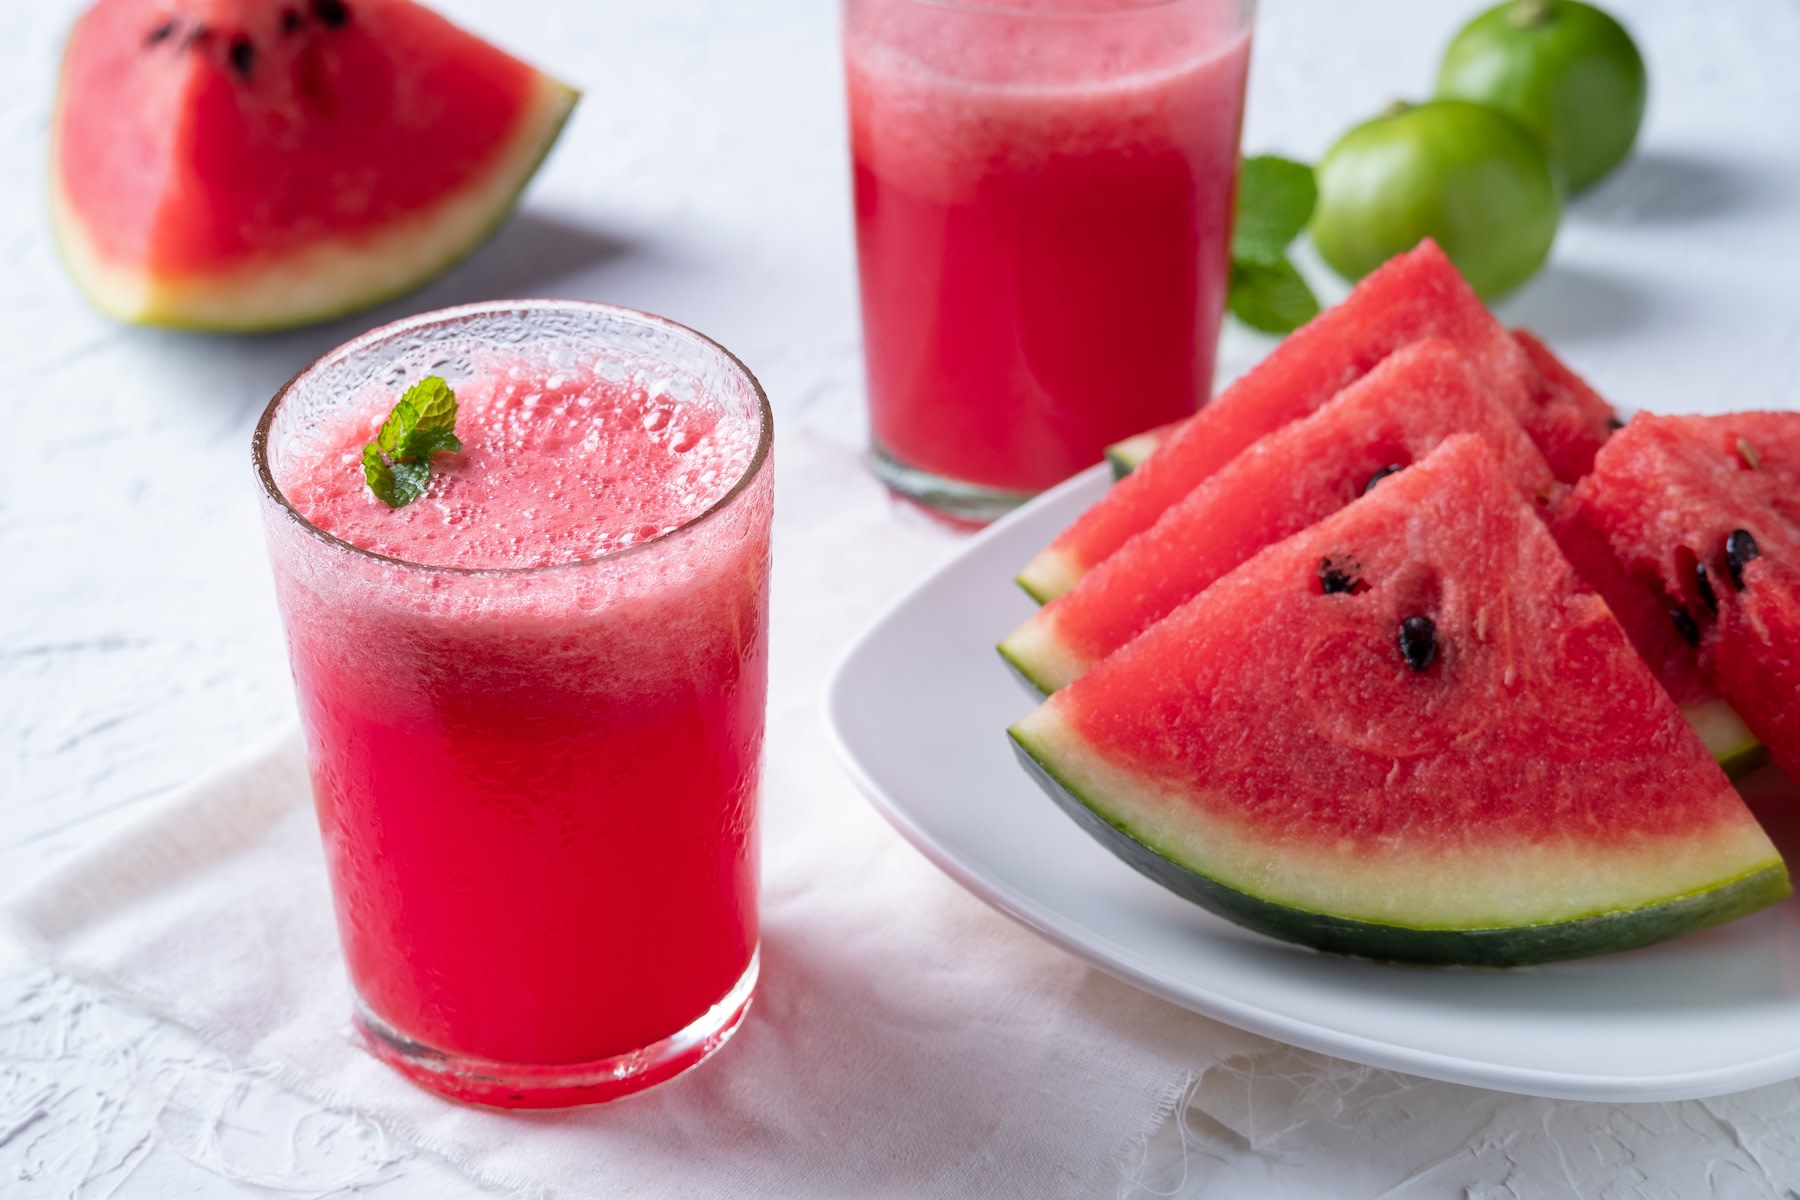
[(1274, 202), (397, 464), (1271, 297)]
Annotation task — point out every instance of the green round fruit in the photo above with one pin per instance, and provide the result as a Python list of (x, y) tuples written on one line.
[(1471, 178), (1565, 70)]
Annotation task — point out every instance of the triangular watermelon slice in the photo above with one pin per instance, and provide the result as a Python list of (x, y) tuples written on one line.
[(240, 164), (1638, 602), (1705, 512), (1456, 759), (1414, 296), (1301, 473), (1558, 392)]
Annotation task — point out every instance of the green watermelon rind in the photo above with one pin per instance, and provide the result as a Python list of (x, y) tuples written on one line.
[(553, 105), (1580, 936)]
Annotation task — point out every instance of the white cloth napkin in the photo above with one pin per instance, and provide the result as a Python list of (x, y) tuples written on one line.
[(904, 1040)]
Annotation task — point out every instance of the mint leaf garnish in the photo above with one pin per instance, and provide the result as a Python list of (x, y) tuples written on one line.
[(1271, 297), (1274, 202), (397, 464)]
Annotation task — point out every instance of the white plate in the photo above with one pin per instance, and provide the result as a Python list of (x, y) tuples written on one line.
[(919, 709)]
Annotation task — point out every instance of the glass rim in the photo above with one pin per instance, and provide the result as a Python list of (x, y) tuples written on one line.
[(464, 313), (1001, 8)]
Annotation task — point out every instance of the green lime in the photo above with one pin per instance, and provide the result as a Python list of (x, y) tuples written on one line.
[(1565, 70), (1471, 177)]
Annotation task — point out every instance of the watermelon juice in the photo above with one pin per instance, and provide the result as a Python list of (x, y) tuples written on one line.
[(533, 698), (1044, 196)]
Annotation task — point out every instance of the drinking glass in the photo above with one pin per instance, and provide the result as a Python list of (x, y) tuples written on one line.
[(536, 786), (1044, 194)]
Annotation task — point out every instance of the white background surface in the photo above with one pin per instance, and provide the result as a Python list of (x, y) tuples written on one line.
[(704, 177)]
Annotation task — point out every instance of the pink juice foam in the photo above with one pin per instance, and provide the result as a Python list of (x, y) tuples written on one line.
[(537, 789), (552, 470), (1043, 216)]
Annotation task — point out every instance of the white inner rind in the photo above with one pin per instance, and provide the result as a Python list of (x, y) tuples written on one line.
[(333, 276), (1041, 655), (1479, 886), (1049, 575), (1131, 452), (1723, 731)]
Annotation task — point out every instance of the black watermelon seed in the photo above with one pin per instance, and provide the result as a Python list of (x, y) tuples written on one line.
[(291, 20), (1684, 625), (1740, 549), (1418, 642), (1341, 577), (1377, 477), (1703, 583), (333, 14), (1614, 424), (243, 56), (160, 33)]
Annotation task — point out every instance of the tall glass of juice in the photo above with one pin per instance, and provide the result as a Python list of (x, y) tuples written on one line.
[(1044, 196), (533, 697)]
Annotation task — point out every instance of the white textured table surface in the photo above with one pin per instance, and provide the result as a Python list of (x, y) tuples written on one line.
[(704, 177)]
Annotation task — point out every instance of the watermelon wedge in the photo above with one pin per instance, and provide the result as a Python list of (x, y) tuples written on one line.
[(1557, 390), (1638, 602), (229, 164), (1568, 419), (1704, 514), (1457, 758), (1301, 473), (1414, 296)]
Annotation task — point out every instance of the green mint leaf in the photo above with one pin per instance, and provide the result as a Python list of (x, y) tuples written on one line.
[(433, 405), (396, 429), (379, 475), (1271, 297), (421, 444), (397, 464), (1274, 202), (410, 480)]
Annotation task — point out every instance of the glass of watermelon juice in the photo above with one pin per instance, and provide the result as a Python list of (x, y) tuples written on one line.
[(533, 698), (1044, 195)]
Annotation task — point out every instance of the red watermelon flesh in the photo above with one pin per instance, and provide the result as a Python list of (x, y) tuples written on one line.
[(1570, 411), (1670, 499), (236, 164), (1413, 296), (1297, 475), (1570, 421), (1508, 786), (1638, 602)]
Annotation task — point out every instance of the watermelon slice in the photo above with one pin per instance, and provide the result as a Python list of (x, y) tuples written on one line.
[(224, 164), (1558, 392), (1638, 602), (1704, 513), (1458, 758), (1414, 296), (1297, 475)]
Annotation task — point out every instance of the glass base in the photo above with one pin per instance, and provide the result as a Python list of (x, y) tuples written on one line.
[(963, 503), (560, 1085)]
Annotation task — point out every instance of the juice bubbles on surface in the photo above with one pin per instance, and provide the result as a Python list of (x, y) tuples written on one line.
[(1043, 209), (534, 698)]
